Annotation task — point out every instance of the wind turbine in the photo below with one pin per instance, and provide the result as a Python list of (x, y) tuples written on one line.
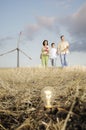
[(18, 50)]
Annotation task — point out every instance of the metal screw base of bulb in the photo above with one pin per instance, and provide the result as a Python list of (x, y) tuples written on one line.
[(51, 110)]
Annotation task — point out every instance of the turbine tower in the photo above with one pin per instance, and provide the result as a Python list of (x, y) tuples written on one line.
[(18, 49)]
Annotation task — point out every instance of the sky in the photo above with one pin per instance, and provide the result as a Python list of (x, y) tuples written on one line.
[(38, 20)]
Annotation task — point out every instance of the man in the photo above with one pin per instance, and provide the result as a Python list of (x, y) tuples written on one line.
[(63, 50)]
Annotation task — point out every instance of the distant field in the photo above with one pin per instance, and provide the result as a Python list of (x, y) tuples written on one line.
[(21, 106)]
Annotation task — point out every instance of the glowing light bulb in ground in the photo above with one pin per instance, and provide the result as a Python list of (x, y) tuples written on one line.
[(48, 96)]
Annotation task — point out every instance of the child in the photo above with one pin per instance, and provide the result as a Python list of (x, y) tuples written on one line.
[(53, 54)]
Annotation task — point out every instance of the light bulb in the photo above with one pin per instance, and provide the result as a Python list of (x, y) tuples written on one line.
[(48, 96)]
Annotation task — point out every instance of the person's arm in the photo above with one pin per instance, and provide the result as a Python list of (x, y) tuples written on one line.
[(58, 49), (67, 47)]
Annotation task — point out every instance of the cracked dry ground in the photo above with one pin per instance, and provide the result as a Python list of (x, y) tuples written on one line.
[(21, 106)]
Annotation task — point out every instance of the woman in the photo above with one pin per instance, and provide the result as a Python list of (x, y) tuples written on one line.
[(45, 53)]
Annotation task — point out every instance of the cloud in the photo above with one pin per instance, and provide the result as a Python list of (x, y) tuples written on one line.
[(63, 3), (42, 22), (31, 31), (78, 46), (46, 22), (78, 22), (76, 26), (5, 39)]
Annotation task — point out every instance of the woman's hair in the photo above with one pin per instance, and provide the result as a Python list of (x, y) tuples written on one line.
[(61, 36), (44, 42)]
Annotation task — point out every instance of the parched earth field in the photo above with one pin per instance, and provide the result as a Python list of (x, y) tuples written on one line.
[(22, 106)]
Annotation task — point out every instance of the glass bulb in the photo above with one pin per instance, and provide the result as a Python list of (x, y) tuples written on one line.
[(48, 96)]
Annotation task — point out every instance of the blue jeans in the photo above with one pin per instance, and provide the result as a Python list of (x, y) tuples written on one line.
[(53, 62), (63, 60)]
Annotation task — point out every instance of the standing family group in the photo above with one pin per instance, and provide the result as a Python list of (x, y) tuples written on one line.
[(51, 53)]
